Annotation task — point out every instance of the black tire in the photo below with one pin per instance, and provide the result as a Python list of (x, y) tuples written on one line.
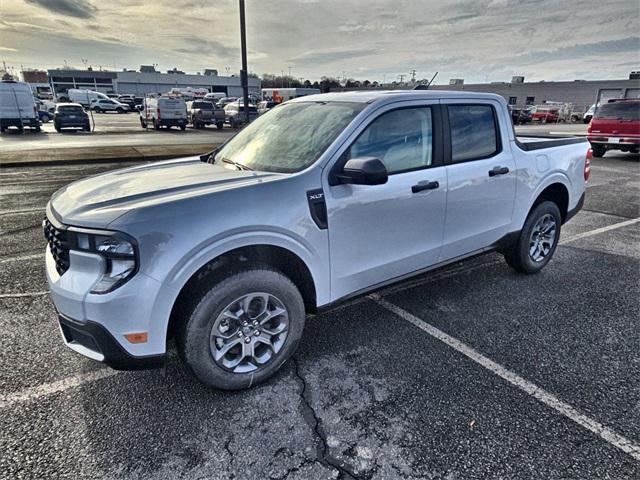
[(156, 125), (518, 256), (20, 129), (45, 118), (219, 125), (97, 110), (38, 129), (143, 124), (119, 110), (87, 128), (58, 129), (203, 309), (2, 129), (598, 150), (183, 127)]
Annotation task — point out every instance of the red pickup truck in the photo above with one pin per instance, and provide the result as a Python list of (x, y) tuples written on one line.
[(615, 126)]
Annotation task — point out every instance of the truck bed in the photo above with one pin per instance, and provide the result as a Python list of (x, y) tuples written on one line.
[(530, 143)]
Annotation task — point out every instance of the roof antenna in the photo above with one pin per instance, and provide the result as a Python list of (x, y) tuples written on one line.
[(422, 86)]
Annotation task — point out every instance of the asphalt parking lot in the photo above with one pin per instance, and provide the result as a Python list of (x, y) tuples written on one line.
[(468, 372)]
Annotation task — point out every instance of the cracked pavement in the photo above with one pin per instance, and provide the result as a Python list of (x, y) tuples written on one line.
[(367, 396)]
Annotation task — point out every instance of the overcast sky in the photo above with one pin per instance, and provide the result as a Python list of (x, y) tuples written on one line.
[(476, 40)]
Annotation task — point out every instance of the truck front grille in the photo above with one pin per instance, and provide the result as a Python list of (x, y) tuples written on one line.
[(57, 240)]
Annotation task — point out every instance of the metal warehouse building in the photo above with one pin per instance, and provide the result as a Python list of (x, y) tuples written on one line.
[(581, 93), (140, 83)]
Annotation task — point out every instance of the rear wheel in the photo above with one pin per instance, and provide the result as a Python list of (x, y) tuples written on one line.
[(538, 239), (156, 125), (219, 125), (97, 110), (119, 110), (598, 150), (143, 124), (38, 129), (183, 127), (240, 331)]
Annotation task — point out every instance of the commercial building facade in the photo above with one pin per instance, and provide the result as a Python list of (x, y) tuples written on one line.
[(141, 83)]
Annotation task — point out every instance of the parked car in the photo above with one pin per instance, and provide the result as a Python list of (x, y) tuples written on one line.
[(615, 126), (588, 115), (164, 111), (82, 96), (265, 105), (71, 115), (108, 105), (44, 115), (545, 114), (201, 113), (214, 96), (321, 199), (129, 101), (17, 106), (224, 101), (234, 113), (519, 116)]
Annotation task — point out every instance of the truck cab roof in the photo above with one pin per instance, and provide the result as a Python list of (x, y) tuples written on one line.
[(384, 96)]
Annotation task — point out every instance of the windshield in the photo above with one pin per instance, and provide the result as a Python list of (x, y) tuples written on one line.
[(290, 137), (619, 111)]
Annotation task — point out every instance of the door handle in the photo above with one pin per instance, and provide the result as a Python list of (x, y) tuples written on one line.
[(498, 171), (425, 186)]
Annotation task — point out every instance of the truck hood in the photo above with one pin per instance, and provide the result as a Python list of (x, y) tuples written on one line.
[(99, 200)]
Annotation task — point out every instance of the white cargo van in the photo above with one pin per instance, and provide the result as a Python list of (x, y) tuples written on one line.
[(164, 111), (17, 106), (83, 97)]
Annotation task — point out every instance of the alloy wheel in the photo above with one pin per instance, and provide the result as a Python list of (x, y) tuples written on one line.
[(249, 332), (543, 237)]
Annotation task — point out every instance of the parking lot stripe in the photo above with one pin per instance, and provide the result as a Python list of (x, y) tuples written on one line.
[(596, 231), (21, 257), (20, 295), (46, 389), (516, 380), (26, 210)]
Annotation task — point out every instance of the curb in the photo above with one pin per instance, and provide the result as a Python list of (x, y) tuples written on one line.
[(66, 156)]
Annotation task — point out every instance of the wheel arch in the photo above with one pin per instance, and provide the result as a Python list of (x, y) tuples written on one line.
[(278, 257), (556, 192)]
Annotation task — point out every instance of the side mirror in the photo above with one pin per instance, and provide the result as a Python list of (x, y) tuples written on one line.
[(363, 171)]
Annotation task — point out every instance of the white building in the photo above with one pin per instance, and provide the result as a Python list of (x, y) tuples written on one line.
[(140, 83)]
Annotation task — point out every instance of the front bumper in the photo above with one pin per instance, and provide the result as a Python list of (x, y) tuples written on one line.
[(94, 341)]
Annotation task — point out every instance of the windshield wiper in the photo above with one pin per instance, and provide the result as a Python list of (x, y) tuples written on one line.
[(239, 166)]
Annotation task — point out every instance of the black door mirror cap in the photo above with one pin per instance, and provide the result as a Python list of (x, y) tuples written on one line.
[(363, 171)]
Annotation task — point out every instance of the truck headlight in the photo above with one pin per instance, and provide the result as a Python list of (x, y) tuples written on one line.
[(118, 250)]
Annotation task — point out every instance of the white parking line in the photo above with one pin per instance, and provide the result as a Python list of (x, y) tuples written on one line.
[(596, 231), (26, 210), (22, 257), (47, 389), (516, 380), (21, 295)]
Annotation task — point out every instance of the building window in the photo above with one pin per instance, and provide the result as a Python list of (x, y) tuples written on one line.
[(531, 100), (513, 100)]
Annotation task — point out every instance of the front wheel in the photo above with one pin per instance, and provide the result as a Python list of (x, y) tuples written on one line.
[(538, 239), (97, 110), (119, 110), (219, 125), (240, 331)]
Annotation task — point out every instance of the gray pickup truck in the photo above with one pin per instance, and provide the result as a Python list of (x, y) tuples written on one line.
[(201, 113), (320, 199)]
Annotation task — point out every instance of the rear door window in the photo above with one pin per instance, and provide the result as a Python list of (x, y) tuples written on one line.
[(474, 132), (619, 111)]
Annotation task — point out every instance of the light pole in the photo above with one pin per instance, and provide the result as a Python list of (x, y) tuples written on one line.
[(244, 78)]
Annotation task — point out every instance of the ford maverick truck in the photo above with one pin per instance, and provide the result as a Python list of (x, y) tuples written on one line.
[(321, 199)]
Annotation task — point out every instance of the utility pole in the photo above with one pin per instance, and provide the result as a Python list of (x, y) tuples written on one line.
[(243, 73), (413, 76), (401, 77)]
